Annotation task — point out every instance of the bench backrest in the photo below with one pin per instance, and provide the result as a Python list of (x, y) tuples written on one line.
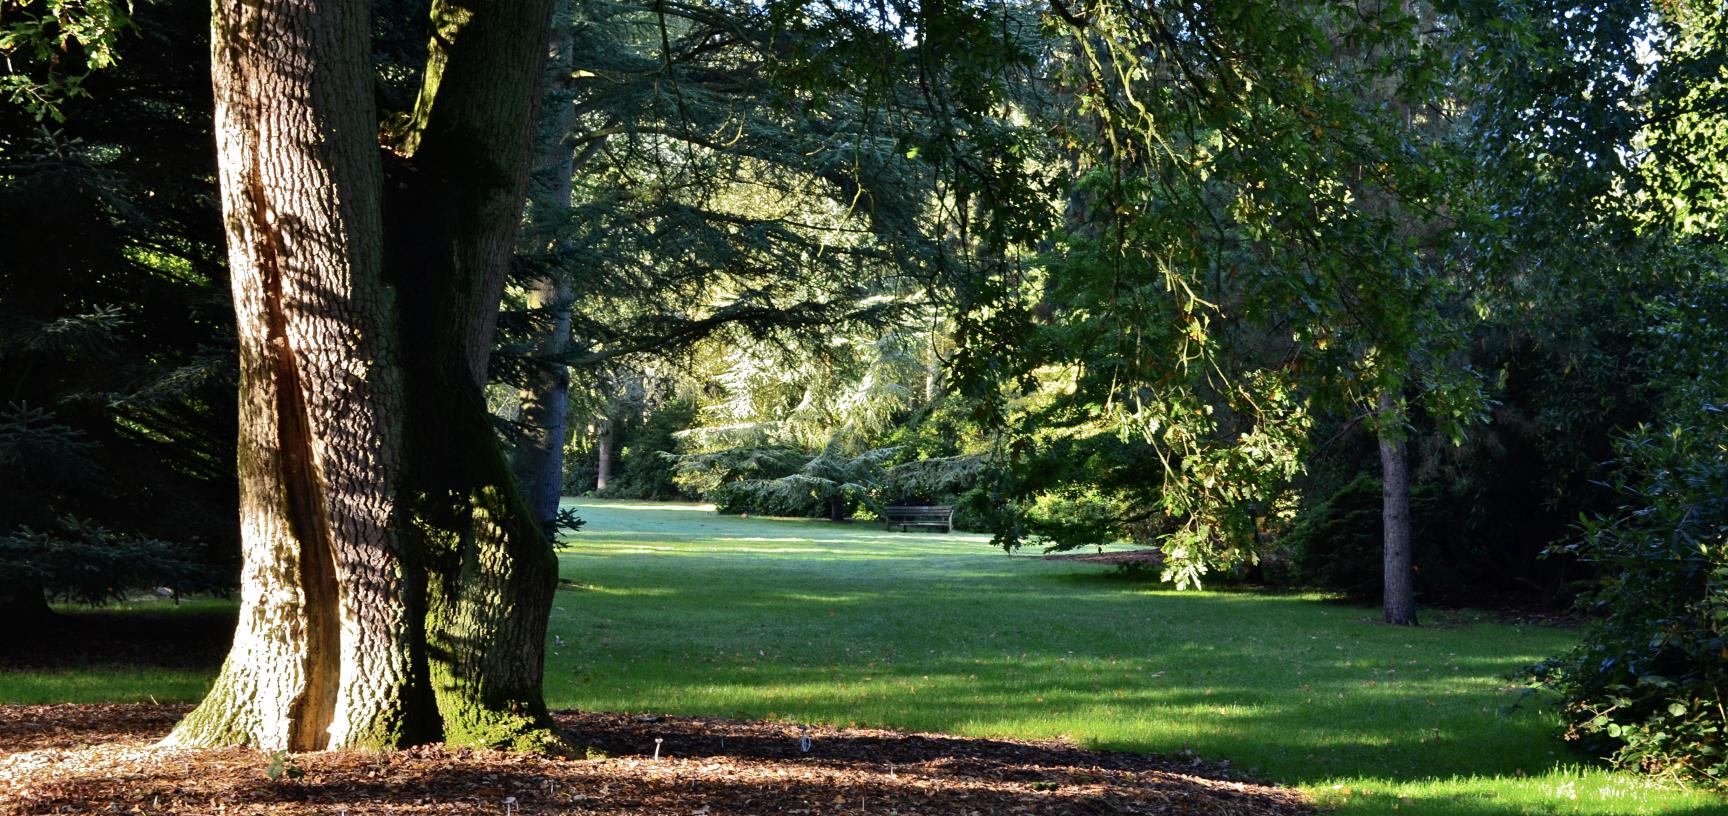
[(933, 512)]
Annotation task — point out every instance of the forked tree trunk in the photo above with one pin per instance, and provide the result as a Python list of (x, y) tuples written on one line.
[(1399, 601), (395, 587)]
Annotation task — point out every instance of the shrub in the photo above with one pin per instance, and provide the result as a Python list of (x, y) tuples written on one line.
[(1646, 686)]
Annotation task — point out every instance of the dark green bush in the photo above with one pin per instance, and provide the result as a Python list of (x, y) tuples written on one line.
[(767, 498), (1463, 556), (643, 472), (1336, 545), (1646, 688), (76, 560)]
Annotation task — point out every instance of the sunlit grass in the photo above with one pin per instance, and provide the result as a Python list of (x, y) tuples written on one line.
[(103, 684)]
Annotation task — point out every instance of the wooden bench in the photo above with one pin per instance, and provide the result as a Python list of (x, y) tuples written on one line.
[(930, 516)]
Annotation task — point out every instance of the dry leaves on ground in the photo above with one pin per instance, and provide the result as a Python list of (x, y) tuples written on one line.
[(99, 759)]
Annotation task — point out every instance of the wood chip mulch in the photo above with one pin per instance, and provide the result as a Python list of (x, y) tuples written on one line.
[(99, 759), (1121, 558)]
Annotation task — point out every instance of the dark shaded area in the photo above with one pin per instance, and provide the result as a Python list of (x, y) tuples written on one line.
[(117, 375), (181, 639)]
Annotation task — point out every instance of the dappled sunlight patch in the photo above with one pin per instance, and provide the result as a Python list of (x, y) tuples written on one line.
[(1546, 788)]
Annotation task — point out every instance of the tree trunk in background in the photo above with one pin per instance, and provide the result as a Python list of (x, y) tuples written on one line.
[(321, 657), (603, 454), (539, 462), (1399, 599), (395, 586)]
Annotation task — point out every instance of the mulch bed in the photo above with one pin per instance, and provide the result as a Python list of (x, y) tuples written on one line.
[(1120, 558), (99, 759)]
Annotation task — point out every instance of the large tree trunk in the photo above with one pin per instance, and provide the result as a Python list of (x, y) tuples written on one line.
[(453, 217), (396, 587), (1399, 602), (321, 657), (539, 461)]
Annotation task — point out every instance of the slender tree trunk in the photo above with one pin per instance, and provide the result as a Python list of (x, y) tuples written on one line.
[(539, 461), (1399, 600), (321, 657), (603, 437)]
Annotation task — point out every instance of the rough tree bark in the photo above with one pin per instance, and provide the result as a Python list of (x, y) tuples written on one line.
[(1399, 602), (395, 587), (320, 657)]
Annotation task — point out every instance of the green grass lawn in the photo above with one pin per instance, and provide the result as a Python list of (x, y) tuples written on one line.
[(674, 609), (686, 612)]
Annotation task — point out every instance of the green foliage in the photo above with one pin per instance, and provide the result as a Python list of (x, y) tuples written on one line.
[(962, 482), (1335, 545), (1242, 246), (827, 484), (1686, 174), (642, 468), (52, 47), (704, 473), (1648, 686), (116, 364), (76, 560), (282, 766)]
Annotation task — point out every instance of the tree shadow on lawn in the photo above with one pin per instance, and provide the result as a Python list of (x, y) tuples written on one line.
[(192, 638)]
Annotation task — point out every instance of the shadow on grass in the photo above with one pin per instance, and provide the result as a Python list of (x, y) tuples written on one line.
[(189, 638)]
